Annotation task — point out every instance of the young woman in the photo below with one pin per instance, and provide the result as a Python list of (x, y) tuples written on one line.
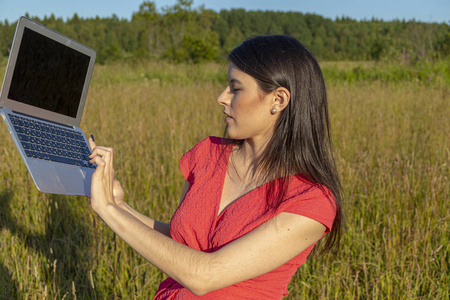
[(255, 204)]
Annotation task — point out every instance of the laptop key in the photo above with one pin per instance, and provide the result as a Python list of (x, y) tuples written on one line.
[(19, 129), (23, 137)]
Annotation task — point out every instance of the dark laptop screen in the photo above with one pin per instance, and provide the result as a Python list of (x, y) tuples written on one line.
[(48, 74)]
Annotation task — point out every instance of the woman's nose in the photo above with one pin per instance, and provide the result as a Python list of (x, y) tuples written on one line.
[(223, 98)]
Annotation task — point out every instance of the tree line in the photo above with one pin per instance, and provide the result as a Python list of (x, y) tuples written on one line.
[(184, 33)]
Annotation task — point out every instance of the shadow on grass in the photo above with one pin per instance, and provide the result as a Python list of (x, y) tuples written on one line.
[(8, 286), (63, 249)]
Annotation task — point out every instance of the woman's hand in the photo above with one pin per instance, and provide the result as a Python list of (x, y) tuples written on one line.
[(105, 190)]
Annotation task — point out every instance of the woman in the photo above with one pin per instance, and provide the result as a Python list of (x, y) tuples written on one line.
[(253, 205)]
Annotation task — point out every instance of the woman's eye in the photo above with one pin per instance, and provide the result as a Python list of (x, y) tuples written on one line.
[(234, 90)]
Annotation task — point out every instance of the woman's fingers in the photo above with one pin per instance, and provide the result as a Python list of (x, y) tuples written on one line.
[(100, 151), (92, 144), (103, 182), (99, 173), (103, 157), (104, 187), (100, 162), (106, 154)]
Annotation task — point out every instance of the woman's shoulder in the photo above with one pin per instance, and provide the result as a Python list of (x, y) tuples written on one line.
[(211, 143), (311, 200), (217, 141), (205, 154), (301, 184)]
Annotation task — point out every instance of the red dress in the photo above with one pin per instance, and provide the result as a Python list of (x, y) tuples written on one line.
[(196, 222)]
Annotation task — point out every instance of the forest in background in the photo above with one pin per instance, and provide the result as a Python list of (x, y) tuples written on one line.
[(184, 33)]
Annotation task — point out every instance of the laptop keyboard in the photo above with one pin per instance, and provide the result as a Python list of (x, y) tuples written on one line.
[(51, 142)]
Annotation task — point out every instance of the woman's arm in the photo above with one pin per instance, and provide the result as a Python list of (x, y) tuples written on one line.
[(156, 225), (264, 249)]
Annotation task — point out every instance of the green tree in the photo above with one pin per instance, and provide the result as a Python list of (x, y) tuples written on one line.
[(233, 39), (184, 33), (442, 44), (147, 21)]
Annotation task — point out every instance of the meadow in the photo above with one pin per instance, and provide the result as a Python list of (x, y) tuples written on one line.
[(391, 142)]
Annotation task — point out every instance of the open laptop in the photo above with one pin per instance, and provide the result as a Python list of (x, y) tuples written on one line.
[(42, 98)]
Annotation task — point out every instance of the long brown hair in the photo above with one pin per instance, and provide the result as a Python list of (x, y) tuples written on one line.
[(301, 143)]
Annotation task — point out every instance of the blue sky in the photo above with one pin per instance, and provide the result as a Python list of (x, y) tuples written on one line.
[(424, 10)]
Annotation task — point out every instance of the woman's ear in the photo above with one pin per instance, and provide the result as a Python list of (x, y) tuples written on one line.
[(282, 98)]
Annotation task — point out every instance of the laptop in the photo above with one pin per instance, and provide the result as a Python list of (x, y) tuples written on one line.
[(42, 99)]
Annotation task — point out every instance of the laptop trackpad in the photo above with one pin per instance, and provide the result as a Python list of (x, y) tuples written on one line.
[(73, 179)]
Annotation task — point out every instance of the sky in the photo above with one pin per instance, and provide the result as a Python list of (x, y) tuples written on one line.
[(387, 10)]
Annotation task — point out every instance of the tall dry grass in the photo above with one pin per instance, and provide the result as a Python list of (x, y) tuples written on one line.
[(391, 146)]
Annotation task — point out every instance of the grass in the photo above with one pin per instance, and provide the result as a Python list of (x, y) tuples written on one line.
[(391, 146), (436, 73)]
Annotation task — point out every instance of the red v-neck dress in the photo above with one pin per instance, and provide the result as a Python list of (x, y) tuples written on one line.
[(197, 224)]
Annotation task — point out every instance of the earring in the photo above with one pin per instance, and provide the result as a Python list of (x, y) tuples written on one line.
[(273, 111)]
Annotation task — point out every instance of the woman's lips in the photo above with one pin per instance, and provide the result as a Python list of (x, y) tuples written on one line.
[(227, 117)]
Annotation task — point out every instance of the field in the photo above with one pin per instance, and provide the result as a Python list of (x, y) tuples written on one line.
[(391, 139)]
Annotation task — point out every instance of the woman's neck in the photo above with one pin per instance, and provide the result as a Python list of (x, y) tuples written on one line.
[(247, 157)]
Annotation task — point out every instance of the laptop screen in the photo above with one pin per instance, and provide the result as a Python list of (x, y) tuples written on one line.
[(48, 74)]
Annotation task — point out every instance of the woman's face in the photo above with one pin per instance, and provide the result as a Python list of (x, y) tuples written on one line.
[(246, 107)]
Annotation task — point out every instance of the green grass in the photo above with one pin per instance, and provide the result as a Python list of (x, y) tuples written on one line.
[(391, 146), (426, 72)]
